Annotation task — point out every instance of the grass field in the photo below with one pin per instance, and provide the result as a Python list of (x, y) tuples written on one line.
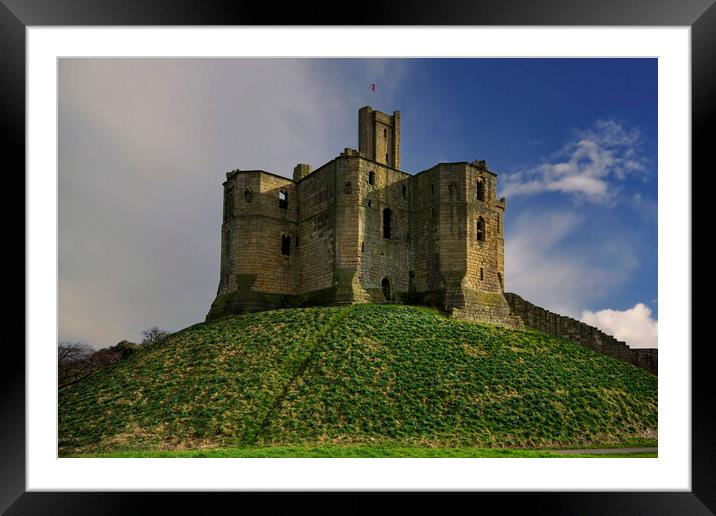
[(332, 451), (360, 378)]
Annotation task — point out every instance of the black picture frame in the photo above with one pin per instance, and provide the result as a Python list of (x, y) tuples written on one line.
[(16, 15)]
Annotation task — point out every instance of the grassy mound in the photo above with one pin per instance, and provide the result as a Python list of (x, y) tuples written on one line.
[(364, 374)]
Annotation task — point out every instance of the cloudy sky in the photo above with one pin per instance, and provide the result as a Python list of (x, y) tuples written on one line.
[(144, 145)]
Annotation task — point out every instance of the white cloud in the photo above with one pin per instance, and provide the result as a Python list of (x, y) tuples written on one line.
[(586, 166), (635, 325), (547, 268), (543, 266)]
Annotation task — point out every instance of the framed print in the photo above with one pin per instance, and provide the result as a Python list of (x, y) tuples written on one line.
[(68, 70)]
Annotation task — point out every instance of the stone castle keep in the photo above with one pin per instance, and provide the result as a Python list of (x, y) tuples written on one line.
[(360, 230)]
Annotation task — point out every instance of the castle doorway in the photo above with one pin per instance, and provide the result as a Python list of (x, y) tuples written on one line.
[(385, 284)]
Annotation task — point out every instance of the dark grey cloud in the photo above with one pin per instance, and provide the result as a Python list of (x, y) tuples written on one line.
[(143, 148)]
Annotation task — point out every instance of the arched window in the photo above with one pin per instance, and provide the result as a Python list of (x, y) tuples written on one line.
[(387, 222), (481, 229), (480, 190), (283, 199), (371, 178), (285, 245)]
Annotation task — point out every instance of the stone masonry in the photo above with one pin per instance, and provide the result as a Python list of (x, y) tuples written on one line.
[(358, 229)]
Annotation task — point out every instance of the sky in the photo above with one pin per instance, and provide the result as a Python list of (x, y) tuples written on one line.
[(144, 145)]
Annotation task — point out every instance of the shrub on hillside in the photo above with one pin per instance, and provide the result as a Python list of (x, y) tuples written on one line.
[(103, 358), (123, 348)]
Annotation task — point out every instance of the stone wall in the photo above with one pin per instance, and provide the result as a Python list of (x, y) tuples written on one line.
[(347, 226), (450, 261), (380, 258), (568, 328), (424, 232), (483, 306), (316, 229), (254, 224), (485, 258)]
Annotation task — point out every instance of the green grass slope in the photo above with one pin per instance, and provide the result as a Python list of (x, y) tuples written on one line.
[(363, 374)]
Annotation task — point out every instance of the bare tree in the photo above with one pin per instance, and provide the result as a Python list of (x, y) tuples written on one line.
[(73, 360), (154, 335), (70, 353)]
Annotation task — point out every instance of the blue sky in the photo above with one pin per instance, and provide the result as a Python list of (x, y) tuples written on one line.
[(573, 141), (527, 117)]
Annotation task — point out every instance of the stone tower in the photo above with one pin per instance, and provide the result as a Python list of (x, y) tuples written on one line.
[(358, 229), (379, 136)]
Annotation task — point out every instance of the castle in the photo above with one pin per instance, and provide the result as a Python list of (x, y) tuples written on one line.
[(358, 229)]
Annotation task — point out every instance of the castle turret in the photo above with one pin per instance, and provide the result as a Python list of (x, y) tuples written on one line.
[(300, 171), (379, 136)]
